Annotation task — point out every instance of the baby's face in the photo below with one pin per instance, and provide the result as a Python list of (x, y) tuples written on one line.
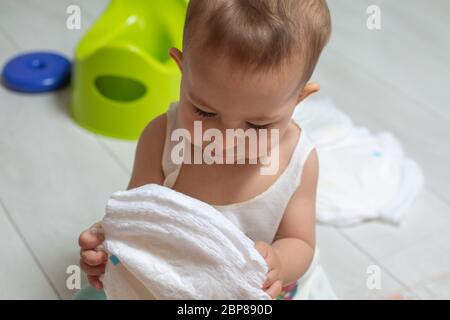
[(221, 96)]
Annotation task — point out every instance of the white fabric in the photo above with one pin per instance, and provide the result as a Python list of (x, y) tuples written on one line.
[(363, 176), (260, 217), (172, 246)]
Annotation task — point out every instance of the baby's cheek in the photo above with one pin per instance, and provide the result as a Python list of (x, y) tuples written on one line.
[(269, 140), (186, 118), (195, 132)]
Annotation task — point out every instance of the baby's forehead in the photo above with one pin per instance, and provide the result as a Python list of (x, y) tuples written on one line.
[(252, 96), (221, 72)]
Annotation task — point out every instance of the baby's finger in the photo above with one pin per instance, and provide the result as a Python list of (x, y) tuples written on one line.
[(93, 258), (95, 282), (271, 277), (275, 289), (92, 237), (92, 271), (270, 260)]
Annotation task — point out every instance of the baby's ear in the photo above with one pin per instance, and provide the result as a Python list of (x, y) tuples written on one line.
[(177, 56), (308, 90)]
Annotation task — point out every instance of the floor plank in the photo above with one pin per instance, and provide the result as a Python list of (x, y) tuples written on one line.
[(53, 174), (427, 215), (20, 275), (411, 62), (90, 10), (373, 103), (121, 150), (43, 31), (425, 266), (347, 268), (437, 288)]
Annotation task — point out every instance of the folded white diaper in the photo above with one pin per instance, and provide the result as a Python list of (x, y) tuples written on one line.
[(363, 176), (166, 245)]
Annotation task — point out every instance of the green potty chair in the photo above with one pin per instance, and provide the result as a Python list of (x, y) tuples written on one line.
[(123, 76)]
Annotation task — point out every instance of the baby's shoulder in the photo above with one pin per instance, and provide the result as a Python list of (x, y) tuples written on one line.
[(300, 143), (155, 131), (147, 163)]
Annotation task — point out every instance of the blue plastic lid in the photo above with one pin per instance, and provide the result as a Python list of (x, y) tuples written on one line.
[(36, 72)]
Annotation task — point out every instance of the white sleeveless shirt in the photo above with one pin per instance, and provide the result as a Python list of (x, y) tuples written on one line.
[(259, 217)]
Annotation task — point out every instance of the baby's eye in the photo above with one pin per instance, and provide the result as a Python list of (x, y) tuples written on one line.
[(258, 126), (204, 113)]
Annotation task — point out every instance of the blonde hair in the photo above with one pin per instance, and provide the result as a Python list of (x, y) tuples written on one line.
[(260, 34)]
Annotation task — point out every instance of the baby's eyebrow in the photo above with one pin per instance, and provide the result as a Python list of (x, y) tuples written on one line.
[(200, 103)]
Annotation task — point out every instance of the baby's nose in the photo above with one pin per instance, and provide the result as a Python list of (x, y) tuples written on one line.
[(232, 124)]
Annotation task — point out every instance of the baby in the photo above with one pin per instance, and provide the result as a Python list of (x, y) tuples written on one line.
[(246, 64)]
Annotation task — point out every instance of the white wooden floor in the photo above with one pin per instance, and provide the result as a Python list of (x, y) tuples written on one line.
[(55, 177)]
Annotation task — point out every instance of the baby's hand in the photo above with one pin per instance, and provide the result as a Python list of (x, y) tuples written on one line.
[(273, 284), (93, 261)]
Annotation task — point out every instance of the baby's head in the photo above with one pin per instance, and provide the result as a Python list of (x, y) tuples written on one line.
[(247, 63)]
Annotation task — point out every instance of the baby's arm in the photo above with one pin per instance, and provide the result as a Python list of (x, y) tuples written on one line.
[(295, 239), (147, 169), (292, 251)]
